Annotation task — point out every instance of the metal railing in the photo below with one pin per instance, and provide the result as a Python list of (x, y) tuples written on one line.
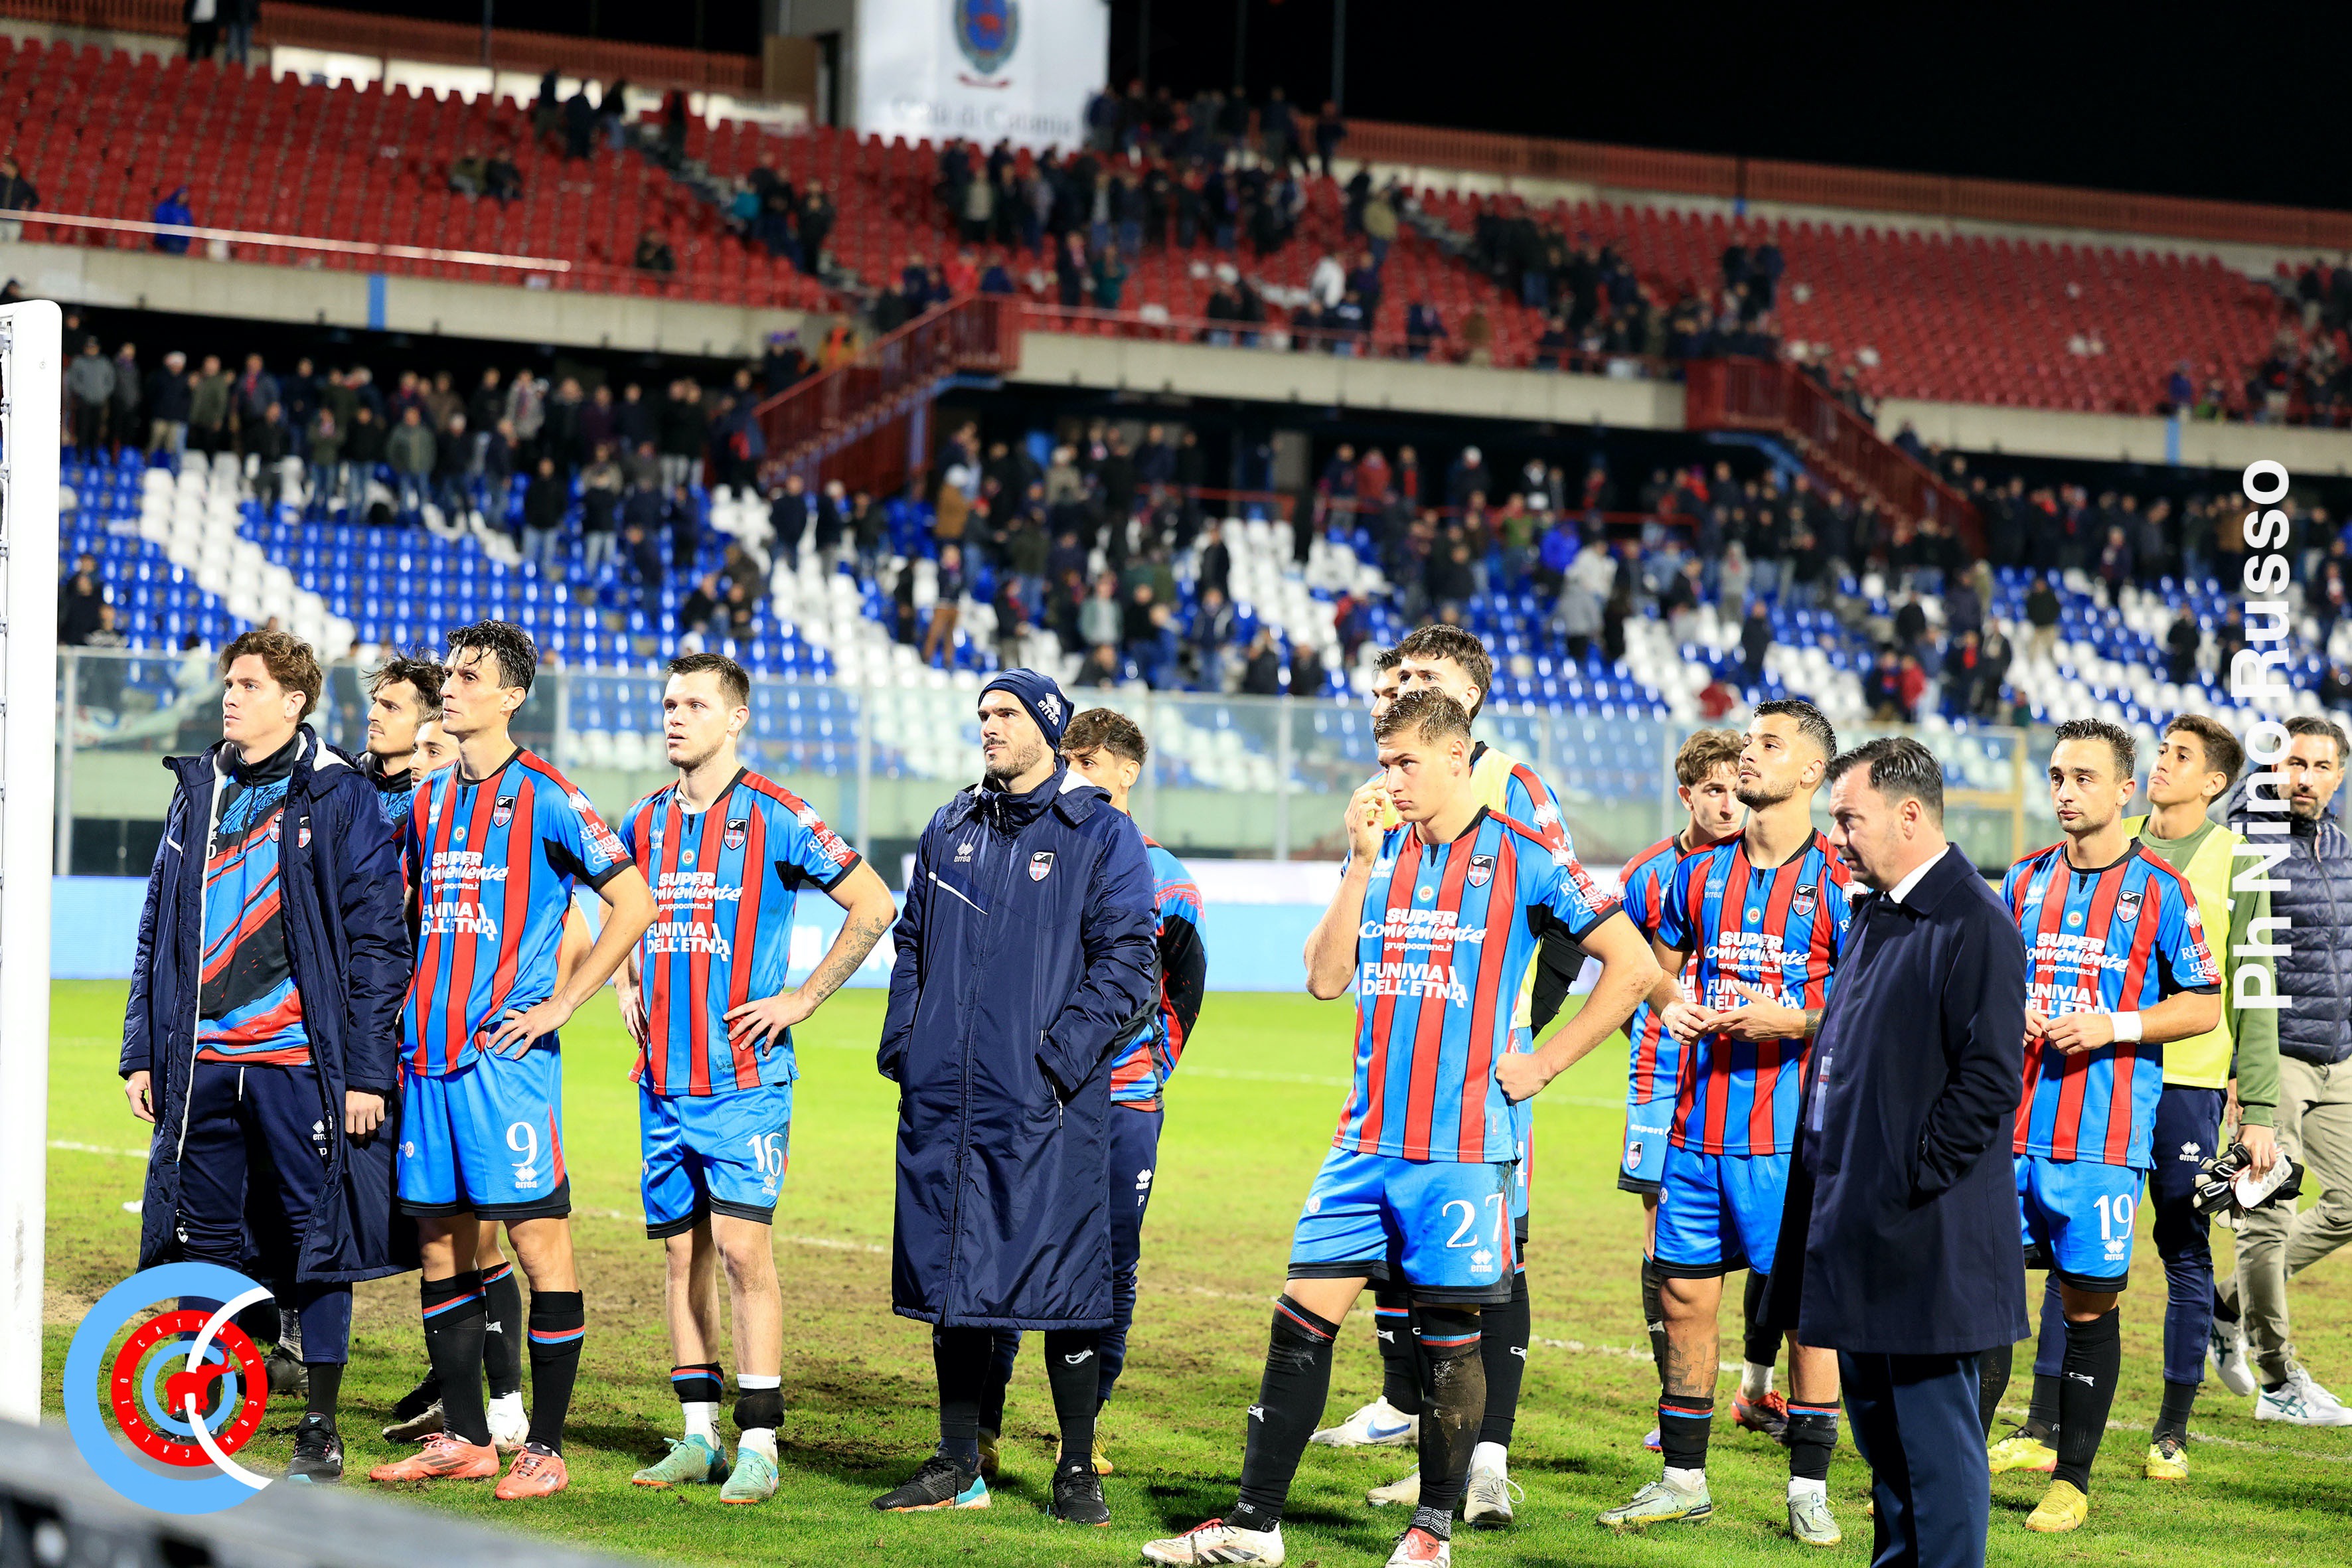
[(1776, 397), (1259, 778)]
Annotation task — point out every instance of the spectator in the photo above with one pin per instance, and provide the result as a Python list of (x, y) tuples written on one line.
[(654, 255), (600, 512), (2182, 644), (209, 408), (544, 506), (323, 440), (80, 598), (701, 604), (364, 444), (815, 222), (2042, 609), (1755, 642), (501, 178), (1992, 673), (1215, 568), (1963, 674), (255, 390), (1882, 689), (1262, 675), (645, 558), (1100, 618), (1911, 624), (1911, 685), (788, 520), (237, 17), (470, 173), (1306, 671), (411, 452), (122, 427), (1101, 667), (267, 445), (947, 609), (1211, 633), (453, 469), (499, 462), (173, 209), (16, 195), (2115, 566), (89, 386), (680, 425), (684, 519)]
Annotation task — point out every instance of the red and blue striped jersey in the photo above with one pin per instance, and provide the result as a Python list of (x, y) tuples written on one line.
[(248, 1011), (2117, 940), (1656, 1055), (1444, 941), (494, 864), (725, 880), (1140, 1070), (1780, 930)]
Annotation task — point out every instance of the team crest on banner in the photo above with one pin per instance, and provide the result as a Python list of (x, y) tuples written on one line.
[(503, 811), (2127, 905), (1802, 904), (1041, 864), (1482, 870), (736, 828), (986, 31)]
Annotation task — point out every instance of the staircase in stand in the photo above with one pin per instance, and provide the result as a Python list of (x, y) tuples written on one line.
[(1777, 399), (866, 421)]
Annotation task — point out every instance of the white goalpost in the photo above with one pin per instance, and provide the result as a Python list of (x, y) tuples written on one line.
[(30, 388)]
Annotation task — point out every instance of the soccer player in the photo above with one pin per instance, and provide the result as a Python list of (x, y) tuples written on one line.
[(403, 696), (495, 846), (1435, 923), (2117, 965), (1706, 778), (1107, 748), (727, 853), (1759, 921), (2195, 762), (1449, 660)]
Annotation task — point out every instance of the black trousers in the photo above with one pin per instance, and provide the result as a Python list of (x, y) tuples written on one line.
[(1915, 1422)]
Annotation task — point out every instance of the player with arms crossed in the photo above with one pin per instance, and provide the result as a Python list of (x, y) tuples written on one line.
[(495, 846), (1706, 777), (1434, 923), (1451, 660), (1106, 747), (2117, 965), (1760, 920), (726, 852)]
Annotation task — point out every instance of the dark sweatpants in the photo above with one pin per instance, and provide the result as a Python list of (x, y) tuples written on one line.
[(1915, 1422), (261, 1124), (1133, 1157)]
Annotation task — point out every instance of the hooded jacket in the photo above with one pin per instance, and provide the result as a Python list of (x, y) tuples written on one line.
[(1026, 957), (348, 946), (2311, 888)]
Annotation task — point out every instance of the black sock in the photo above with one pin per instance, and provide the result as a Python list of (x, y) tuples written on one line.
[(502, 1335), (1684, 1423), (454, 1318), (1074, 1371), (1003, 1352), (1399, 1372), (758, 1409), (2171, 1418), (1653, 1312), (960, 1358), (1453, 1401), (1812, 1433), (1992, 1381), (2094, 1358), (327, 1385), (1290, 1399), (1762, 1345), (2042, 1415), (1504, 1333), (417, 1399), (559, 1325)]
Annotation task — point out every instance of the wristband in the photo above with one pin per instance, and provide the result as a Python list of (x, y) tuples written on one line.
[(2126, 1026)]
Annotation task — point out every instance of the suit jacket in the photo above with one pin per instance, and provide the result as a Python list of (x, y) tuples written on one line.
[(1900, 1232)]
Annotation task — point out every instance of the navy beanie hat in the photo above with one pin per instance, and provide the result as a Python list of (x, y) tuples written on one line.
[(1040, 694)]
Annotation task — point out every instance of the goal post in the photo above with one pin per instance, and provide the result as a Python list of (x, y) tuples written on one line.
[(31, 381)]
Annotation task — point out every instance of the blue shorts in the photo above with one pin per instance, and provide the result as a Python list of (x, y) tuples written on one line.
[(713, 1153), (487, 1140), (2076, 1216), (1717, 1212), (1441, 1228), (1642, 1165)]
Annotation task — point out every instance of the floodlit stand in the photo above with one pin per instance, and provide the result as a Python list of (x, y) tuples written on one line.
[(31, 380)]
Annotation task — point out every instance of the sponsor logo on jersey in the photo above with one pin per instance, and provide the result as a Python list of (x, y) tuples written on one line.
[(1041, 864), (1482, 870)]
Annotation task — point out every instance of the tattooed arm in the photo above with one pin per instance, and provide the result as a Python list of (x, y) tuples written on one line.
[(866, 913)]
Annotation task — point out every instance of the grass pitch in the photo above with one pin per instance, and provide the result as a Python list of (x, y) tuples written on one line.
[(1249, 1119)]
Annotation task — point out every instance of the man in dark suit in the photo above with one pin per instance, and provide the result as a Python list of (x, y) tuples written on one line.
[(1899, 1244)]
